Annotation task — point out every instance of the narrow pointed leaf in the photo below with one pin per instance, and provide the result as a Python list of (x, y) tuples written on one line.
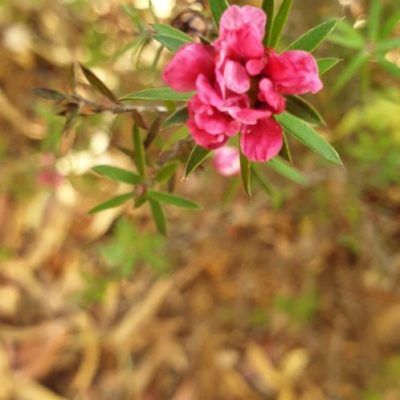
[(390, 24), (117, 174), (217, 9), (314, 37), (285, 152), (177, 136), (162, 94), (308, 136), (262, 181), (280, 21), (48, 94), (285, 169), (373, 19), (159, 217), (388, 44), (98, 84), (344, 41), (112, 203), (326, 64), (170, 42), (166, 172), (389, 66), (172, 199), (178, 117), (69, 134), (303, 109), (140, 200), (139, 153), (245, 171), (196, 157), (351, 69), (268, 6), (173, 32)]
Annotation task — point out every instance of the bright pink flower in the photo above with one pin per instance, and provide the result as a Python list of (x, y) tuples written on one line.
[(227, 161), (240, 84)]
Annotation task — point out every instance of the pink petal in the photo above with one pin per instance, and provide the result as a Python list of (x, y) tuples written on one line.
[(227, 160), (270, 96), (189, 62), (250, 116), (255, 67), (207, 93), (236, 78), (203, 139), (262, 141)]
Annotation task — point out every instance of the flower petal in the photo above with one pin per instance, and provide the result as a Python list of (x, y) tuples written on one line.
[(268, 94), (226, 161), (236, 78)]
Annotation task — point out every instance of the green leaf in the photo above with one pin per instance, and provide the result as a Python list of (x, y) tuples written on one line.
[(373, 19), (259, 177), (178, 135), (112, 203), (308, 136), (48, 94), (168, 30), (326, 64), (389, 66), (314, 37), (162, 94), (196, 157), (117, 174), (165, 173), (217, 9), (170, 42), (285, 150), (351, 69), (390, 24), (139, 153), (388, 44), (301, 108), (172, 199), (98, 84), (245, 171), (283, 168), (158, 216), (180, 116), (280, 21), (348, 43), (140, 200), (344, 28), (268, 6)]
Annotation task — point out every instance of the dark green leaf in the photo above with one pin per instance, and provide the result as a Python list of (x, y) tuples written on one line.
[(389, 66), (48, 94), (170, 42), (217, 9), (140, 200), (285, 169), (178, 135), (178, 117), (280, 21), (350, 70), (162, 94), (268, 6), (259, 177), (285, 150), (301, 108), (373, 19), (98, 84), (245, 171), (388, 44), (308, 136), (112, 203), (117, 174), (166, 172), (168, 30), (197, 156), (139, 153), (314, 37), (153, 132), (68, 135), (172, 199), (158, 216), (326, 64)]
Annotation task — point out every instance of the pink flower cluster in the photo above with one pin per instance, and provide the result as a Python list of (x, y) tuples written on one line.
[(240, 84)]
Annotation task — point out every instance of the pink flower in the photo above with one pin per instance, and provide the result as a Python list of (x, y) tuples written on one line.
[(227, 161), (240, 85)]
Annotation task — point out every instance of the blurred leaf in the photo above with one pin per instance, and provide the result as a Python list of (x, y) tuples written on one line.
[(268, 6), (168, 30), (140, 200), (196, 157), (170, 42), (260, 178), (347, 42), (164, 93), (285, 152), (245, 171), (138, 118), (350, 70), (308, 136), (48, 94), (301, 108), (166, 172), (136, 18), (159, 217), (217, 9), (139, 152), (98, 84), (178, 135), (178, 117), (285, 169), (344, 28), (153, 131), (388, 44), (68, 136), (172, 199), (314, 37), (389, 66), (118, 174), (390, 24), (112, 203), (280, 21), (326, 64), (373, 19)]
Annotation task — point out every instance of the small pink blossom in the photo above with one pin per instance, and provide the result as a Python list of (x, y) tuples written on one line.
[(227, 161), (240, 85)]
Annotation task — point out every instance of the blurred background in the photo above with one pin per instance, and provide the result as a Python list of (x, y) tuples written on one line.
[(289, 296)]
